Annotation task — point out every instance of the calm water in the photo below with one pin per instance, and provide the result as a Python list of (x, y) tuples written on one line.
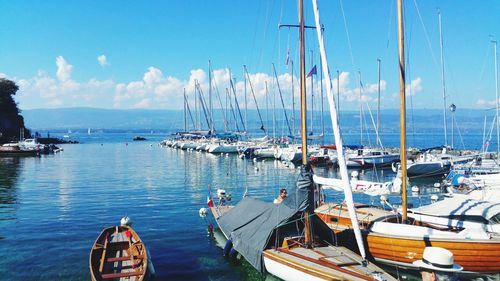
[(52, 208)]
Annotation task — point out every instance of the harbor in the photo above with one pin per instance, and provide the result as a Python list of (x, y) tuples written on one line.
[(314, 168)]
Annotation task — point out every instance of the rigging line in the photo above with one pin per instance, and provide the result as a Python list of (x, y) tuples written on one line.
[(220, 101), (255, 99), (238, 106), (347, 34), (232, 109), (486, 59), (189, 110), (203, 104), (373, 123), (426, 34), (282, 102), (459, 132)]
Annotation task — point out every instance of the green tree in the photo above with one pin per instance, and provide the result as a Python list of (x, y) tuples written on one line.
[(11, 121)]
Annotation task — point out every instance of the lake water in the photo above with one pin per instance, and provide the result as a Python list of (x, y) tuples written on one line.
[(53, 207)]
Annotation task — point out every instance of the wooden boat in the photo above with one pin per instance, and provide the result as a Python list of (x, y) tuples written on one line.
[(392, 242), (294, 261), (119, 254)]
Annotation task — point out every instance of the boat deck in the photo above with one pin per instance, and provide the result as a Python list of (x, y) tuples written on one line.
[(329, 263)]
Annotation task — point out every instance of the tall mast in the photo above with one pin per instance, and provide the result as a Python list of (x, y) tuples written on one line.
[(402, 107), (293, 106), (378, 106), (185, 112), (303, 116), (312, 94), (360, 112), (442, 80), (210, 97), (322, 114), (496, 91), (338, 137), (338, 93), (246, 103)]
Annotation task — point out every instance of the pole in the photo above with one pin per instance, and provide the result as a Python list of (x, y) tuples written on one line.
[(293, 106), (338, 92), (378, 106), (402, 108), (442, 80), (185, 112), (303, 117), (496, 91)]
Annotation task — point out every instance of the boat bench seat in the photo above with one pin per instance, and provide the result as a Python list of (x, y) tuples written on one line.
[(121, 274), (138, 257)]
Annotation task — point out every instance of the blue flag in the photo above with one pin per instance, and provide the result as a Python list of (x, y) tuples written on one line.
[(312, 72)]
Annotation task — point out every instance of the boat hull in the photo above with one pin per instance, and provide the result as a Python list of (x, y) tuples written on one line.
[(474, 256), (119, 253)]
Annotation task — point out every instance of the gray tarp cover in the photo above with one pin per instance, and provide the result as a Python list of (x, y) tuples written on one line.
[(251, 222)]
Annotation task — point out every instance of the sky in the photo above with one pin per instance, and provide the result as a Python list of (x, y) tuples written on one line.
[(143, 54)]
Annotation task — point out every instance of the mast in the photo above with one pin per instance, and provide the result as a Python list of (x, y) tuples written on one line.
[(211, 111), (303, 116), (312, 94), (185, 112), (496, 91), (246, 103), (402, 107), (293, 106), (360, 112), (338, 138), (321, 94), (338, 93), (442, 81), (378, 106)]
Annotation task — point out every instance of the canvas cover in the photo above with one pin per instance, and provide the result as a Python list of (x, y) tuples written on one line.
[(254, 225)]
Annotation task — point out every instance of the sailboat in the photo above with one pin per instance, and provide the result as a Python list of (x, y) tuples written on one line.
[(286, 239), (398, 238)]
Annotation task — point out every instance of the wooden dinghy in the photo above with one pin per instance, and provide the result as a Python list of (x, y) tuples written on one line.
[(394, 243), (119, 254)]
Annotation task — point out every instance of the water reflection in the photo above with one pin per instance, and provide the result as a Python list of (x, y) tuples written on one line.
[(9, 174)]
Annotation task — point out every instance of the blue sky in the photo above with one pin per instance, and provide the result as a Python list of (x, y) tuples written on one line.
[(142, 54)]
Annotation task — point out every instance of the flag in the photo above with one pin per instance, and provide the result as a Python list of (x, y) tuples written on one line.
[(312, 72), (287, 56), (210, 203)]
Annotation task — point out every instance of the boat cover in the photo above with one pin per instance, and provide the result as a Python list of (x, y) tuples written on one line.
[(460, 208), (253, 225)]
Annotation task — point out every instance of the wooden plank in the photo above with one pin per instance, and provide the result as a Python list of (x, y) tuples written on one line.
[(103, 256), (124, 258), (121, 274)]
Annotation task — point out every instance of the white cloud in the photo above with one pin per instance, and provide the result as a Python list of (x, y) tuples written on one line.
[(158, 90), (486, 103), (414, 87), (63, 69), (103, 61)]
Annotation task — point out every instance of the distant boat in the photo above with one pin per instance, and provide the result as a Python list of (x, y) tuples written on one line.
[(119, 253), (139, 138), (88, 131)]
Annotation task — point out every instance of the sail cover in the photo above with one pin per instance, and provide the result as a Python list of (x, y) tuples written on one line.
[(254, 225)]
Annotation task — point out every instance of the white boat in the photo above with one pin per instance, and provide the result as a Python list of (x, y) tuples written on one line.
[(223, 148), (367, 158)]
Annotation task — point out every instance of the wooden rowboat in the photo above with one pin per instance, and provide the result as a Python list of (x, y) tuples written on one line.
[(399, 244), (119, 254)]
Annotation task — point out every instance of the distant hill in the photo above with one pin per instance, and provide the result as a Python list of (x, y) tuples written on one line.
[(426, 120)]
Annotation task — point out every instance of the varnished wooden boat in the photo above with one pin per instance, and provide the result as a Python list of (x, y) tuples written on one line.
[(294, 261), (391, 242), (119, 254)]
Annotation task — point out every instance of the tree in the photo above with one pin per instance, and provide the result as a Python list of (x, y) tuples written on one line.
[(11, 121)]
